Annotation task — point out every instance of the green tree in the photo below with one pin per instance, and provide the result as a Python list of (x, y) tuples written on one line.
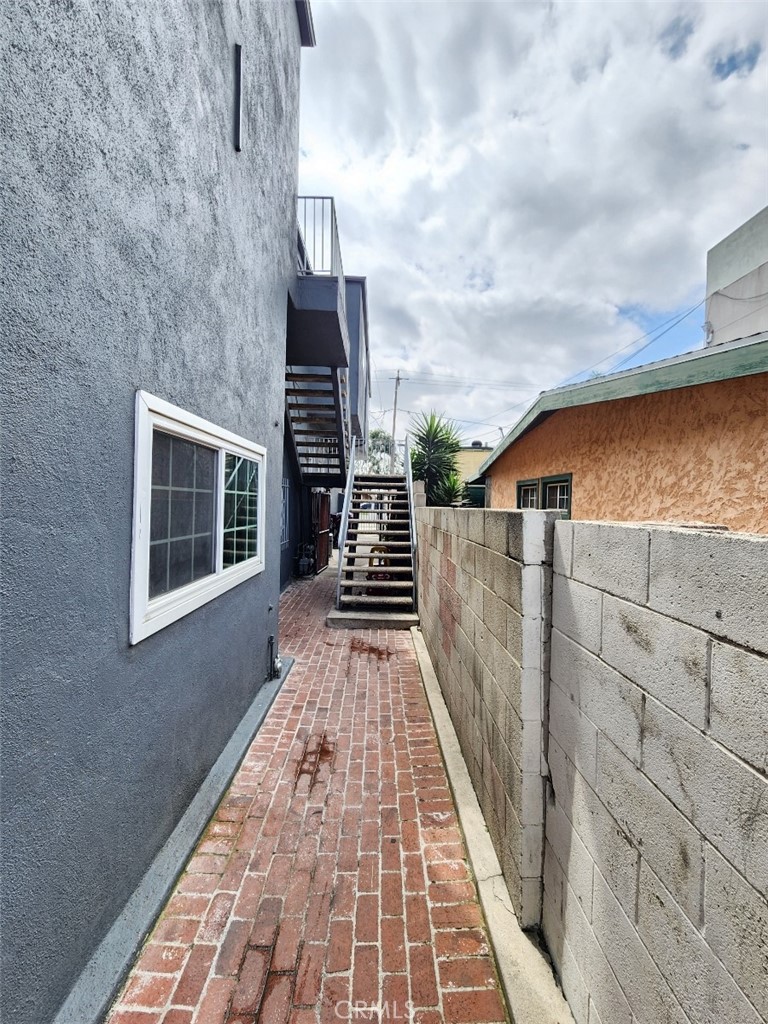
[(379, 449), (436, 443)]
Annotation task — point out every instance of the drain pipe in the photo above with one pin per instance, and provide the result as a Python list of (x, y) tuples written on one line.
[(275, 661)]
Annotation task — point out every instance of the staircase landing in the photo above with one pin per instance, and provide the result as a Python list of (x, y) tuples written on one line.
[(376, 618)]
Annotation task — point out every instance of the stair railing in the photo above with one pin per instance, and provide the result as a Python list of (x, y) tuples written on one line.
[(345, 517), (412, 520)]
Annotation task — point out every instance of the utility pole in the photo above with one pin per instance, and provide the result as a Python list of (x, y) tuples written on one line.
[(394, 422)]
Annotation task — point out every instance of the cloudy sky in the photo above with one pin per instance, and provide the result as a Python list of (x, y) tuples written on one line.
[(530, 187)]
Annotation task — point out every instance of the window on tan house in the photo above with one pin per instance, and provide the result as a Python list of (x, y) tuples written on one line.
[(549, 492), (527, 493), (556, 493)]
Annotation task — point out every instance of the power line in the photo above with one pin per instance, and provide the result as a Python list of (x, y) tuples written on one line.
[(424, 376), (655, 339), (677, 319)]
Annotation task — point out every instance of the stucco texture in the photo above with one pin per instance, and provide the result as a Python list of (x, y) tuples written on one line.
[(469, 460), (138, 250), (692, 454)]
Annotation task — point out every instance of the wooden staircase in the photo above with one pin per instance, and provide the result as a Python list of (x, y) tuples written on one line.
[(377, 570), (315, 403)]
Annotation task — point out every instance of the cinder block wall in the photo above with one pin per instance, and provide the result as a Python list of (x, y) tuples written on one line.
[(656, 853), (484, 597)]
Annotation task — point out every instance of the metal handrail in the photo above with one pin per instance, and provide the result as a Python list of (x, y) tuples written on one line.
[(345, 519), (411, 519)]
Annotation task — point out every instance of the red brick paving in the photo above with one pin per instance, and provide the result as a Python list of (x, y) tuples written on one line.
[(332, 882)]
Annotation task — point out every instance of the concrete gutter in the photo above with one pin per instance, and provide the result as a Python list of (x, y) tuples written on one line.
[(530, 989)]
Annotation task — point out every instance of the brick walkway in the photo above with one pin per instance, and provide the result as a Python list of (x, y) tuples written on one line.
[(333, 875)]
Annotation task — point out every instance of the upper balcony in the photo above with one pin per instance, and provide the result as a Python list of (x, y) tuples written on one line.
[(318, 333)]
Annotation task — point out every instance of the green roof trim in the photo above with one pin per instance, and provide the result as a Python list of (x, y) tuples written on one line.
[(740, 358)]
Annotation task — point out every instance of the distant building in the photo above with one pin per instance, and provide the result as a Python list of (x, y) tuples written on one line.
[(737, 283), (468, 461), (470, 458), (683, 439)]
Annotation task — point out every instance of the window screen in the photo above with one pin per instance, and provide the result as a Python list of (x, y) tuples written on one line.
[(558, 495), (241, 509), (527, 495), (181, 545)]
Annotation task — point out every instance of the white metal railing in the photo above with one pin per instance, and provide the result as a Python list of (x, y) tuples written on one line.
[(345, 520), (411, 519), (319, 251)]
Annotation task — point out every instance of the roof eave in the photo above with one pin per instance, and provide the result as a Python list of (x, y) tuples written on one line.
[(739, 358), (306, 25)]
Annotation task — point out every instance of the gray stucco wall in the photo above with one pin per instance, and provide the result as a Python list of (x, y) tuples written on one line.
[(139, 250)]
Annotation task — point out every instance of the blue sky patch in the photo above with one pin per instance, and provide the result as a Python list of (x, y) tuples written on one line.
[(738, 62), (674, 38)]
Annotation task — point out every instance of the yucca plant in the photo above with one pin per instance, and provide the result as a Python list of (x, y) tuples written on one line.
[(451, 491), (436, 443)]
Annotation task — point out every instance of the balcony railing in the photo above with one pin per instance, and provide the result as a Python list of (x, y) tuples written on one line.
[(319, 251)]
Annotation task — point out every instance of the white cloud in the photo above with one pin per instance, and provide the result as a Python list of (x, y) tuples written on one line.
[(514, 177)]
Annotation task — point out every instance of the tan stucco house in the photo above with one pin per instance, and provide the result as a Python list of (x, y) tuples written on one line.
[(684, 439)]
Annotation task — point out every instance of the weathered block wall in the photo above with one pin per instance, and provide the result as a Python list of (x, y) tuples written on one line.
[(656, 853), (484, 582)]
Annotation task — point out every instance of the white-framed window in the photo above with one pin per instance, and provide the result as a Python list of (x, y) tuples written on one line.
[(556, 493), (527, 493), (198, 513)]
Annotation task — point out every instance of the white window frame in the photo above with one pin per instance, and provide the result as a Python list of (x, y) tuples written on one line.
[(149, 616)]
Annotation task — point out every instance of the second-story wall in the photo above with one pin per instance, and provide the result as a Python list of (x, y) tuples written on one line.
[(139, 251)]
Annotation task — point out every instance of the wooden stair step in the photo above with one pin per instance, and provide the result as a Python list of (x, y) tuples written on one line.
[(401, 570), (360, 563), (378, 584), (395, 524), (383, 544), (311, 378), (386, 477), (379, 490), (389, 531)]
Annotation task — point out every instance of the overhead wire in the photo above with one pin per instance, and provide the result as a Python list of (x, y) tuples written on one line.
[(677, 318), (654, 335), (653, 340)]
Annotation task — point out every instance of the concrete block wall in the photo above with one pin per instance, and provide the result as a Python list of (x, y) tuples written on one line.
[(655, 901), (484, 598)]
